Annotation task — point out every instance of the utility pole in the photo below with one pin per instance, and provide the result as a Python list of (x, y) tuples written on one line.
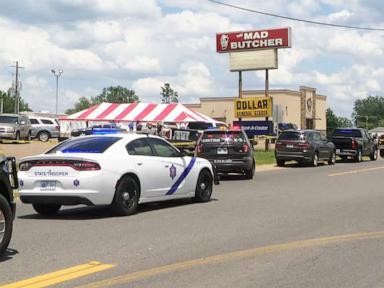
[(17, 90)]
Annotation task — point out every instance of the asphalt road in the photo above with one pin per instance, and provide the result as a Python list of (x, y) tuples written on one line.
[(291, 227)]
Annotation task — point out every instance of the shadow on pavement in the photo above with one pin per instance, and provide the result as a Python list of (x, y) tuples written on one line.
[(232, 177), (298, 165), (8, 255), (102, 212)]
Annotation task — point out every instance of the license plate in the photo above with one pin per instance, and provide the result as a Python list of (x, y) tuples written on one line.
[(47, 185), (337, 150), (222, 151), (289, 145), (222, 161)]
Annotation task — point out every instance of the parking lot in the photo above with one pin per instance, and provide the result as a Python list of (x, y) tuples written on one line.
[(26, 149), (292, 227)]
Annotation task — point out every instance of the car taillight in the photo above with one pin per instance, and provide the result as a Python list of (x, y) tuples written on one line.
[(86, 166), (278, 145), (304, 145), (354, 144), (75, 164), (25, 166), (245, 148), (57, 127)]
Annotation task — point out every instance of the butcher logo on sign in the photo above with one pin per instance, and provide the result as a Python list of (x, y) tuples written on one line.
[(172, 172), (224, 40)]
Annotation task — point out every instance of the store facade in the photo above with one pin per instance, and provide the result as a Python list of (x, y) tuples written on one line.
[(304, 108)]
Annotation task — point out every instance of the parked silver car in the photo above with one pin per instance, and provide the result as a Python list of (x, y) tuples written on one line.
[(14, 126), (44, 128)]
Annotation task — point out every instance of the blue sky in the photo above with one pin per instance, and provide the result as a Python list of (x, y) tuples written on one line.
[(143, 44)]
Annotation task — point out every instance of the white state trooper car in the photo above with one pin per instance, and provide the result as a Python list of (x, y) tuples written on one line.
[(121, 170)]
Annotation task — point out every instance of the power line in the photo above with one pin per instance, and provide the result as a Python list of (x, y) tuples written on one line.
[(294, 19)]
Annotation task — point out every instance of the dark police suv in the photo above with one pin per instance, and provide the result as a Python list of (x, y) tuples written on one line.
[(229, 150), (7, 204)]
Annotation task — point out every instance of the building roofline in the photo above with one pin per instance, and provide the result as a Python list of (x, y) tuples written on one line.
[(307, 88), (250, 92)]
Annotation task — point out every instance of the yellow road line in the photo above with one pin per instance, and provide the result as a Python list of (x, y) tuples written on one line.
[(135, 276), (356, 171), (60, 276)]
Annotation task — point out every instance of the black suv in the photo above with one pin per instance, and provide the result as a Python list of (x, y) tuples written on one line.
[(7, 205), (229, 150), (305, 147)]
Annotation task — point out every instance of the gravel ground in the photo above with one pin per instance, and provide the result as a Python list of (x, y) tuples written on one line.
[(25, 149)]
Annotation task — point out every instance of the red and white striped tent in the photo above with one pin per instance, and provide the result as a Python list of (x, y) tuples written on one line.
[(142, 112)]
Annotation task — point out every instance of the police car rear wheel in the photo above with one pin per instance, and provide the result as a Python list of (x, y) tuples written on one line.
[(126, 198), (46, 209), (204, 186), (6, 219)]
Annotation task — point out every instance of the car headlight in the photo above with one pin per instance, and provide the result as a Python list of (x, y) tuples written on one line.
[(10, 129)]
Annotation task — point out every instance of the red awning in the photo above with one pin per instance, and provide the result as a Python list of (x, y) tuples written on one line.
[(146, 112)]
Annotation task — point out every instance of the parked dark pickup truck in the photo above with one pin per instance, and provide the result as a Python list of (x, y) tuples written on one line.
[(7, 205), (355, 143)]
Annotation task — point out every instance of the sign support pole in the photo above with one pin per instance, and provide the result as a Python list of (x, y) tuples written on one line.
[(240, 87), (267, 95)]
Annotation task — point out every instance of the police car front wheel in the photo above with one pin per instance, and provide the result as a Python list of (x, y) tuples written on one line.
[(204, 186), (6, 219), (126, 199)]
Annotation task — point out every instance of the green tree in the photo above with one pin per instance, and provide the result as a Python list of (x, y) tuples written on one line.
[(368, 112), (168, 95), (344, 122), (9, 103), (331, 121), (111, 94), (334, 122), (117, 94), (83, 103)]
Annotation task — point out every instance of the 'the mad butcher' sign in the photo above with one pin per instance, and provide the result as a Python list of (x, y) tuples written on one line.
[(253, 40)]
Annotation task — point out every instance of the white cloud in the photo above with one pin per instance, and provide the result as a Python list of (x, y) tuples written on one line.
[(144, 44), (356, 44), (340, 15), (142, 64), (192, 81), (148, 89)]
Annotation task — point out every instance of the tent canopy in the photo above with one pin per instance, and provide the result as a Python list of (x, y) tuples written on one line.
[(143, 112)]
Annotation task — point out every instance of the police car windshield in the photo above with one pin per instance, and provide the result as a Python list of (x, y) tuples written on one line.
[(85, 145), (222, 136)]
